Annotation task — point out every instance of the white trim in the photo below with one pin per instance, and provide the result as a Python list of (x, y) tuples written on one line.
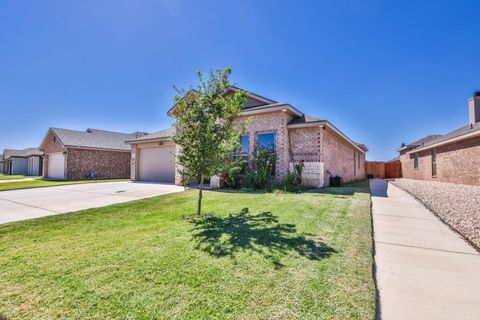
[(452, 140), (271, 108), (320, 124), (148, 140)]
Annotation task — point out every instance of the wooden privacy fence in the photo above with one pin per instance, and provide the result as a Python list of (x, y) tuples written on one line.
[(383, 170)]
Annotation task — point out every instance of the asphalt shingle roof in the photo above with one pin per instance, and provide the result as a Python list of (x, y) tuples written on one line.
[(7, 153), (453, 134), (163, 134), (94, 138), (424, 140), (436, 138)]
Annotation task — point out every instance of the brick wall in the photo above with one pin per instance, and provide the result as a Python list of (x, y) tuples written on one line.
[(305, 144), (105, 164), (272, 122), (52, 145), (456, 163), (339, 157)]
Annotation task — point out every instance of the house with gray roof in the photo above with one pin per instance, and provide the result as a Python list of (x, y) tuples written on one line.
[(282, 128), (89, 154), (453, 157), (26, 162), (2, 164)]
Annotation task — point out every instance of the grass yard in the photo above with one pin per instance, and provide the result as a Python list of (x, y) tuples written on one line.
[(10, 177), (14, 185), (289, 256)]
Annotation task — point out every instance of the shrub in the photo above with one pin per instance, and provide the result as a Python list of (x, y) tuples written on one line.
[(262, 168), (294, 179), (233, 171)]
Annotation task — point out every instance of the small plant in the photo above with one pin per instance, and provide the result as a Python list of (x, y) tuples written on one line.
[(294, 179), (262, 168), (233, 171)]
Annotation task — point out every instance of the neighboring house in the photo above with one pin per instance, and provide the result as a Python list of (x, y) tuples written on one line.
[(453, 157), (76, 155), (1, 164), (26, 162), (293, 136)]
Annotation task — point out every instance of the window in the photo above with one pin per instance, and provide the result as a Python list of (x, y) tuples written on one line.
[(434, 163), (415, 161), (358, 161), (266, 141), (245, 142)]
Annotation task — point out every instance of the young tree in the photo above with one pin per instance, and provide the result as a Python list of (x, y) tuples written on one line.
[(206, 131)]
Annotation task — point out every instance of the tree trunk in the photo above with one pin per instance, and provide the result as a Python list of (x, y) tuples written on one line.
[(199, 208)]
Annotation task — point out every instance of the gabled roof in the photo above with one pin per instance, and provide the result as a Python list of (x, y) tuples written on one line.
[(160, 135), (94, 138), (419, 142), (25, 153), (453, 136), (253, 100)]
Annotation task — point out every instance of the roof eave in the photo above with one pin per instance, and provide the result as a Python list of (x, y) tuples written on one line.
[(445, 142), (283, 107), (148, 140), (97, 148), (320, 124)]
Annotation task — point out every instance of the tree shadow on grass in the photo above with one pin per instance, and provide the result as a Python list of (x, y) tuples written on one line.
[(260, 233)]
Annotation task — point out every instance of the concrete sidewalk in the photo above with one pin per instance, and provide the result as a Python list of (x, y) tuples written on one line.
[(423, 269)]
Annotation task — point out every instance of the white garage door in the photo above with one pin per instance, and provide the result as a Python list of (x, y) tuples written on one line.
[(56, 166), (157, 164)]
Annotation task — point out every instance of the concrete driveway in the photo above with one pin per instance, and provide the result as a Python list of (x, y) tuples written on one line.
[(26, 204)]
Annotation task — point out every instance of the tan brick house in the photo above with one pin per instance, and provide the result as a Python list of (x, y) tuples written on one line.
[(76, 155), (293, 136), (453, 157)]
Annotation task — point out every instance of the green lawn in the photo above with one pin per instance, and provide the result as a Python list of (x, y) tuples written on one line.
[(291, 256), (7, 177), (4, 186)]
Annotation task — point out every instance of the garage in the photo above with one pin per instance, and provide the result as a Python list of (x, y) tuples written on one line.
[(157, 164), (56, 166)]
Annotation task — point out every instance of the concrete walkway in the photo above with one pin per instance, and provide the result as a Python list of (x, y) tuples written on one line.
[(26, 204), (423, 269)]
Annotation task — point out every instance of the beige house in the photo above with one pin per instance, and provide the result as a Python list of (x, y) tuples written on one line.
[(292, 135), (453, 157)]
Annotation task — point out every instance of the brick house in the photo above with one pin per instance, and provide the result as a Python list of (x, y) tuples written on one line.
[(292, 135), (76, 155), (453, 157)]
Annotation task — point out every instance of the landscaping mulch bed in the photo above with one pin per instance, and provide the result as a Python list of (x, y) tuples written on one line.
[(458, 205)]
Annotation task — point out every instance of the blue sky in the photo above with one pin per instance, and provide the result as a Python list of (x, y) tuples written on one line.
[(384, 72)]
